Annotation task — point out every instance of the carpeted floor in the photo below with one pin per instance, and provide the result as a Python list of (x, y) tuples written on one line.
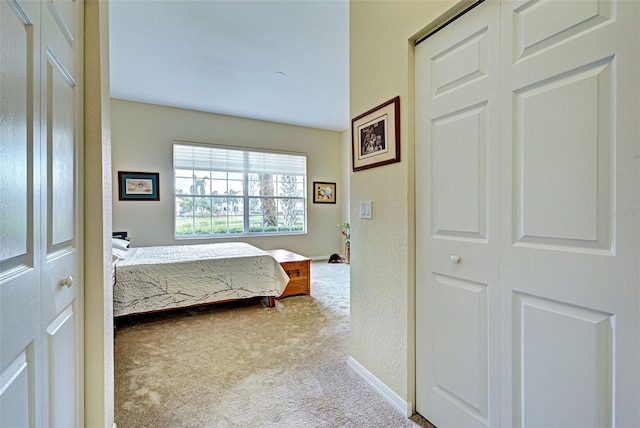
[(247, 365)]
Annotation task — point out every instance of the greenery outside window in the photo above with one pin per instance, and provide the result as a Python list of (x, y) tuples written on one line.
[(230, 191)]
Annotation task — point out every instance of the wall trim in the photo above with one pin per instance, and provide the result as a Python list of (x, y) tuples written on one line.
[(394, 399), (447, 18)]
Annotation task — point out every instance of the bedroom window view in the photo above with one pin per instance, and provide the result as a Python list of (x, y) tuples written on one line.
[(223, 191)]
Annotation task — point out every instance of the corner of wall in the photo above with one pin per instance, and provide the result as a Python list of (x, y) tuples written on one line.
[(403, 407)]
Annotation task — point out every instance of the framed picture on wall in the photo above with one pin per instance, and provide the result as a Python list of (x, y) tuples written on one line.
[(375, 136), (138, 186), (324, 193)]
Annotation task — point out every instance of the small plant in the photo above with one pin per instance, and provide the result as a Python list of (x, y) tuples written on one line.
[(345, 231)]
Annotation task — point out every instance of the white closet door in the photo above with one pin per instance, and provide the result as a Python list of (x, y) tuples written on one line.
[(62, 213), (457, 156), (569, 214), (565, 267), (41, 275), (20, 333)]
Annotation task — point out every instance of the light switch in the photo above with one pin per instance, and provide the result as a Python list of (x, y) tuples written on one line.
[(365, 209)]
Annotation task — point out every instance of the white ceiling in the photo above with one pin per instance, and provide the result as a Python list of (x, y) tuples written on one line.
[(280, 61)]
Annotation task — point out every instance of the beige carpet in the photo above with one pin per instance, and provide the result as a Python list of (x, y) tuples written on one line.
[(247, 365)]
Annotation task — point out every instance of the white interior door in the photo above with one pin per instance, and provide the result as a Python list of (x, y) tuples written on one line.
[(457, 157), (569, 213), (41, 214), (569, 230), (20, 332)]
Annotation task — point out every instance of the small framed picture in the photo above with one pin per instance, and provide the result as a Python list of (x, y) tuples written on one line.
[(375, 136), (138, 186), (324, 193)]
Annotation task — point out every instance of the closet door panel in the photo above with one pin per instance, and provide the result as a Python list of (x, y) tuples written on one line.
[(457, 199), (527, 216), (569, 253)]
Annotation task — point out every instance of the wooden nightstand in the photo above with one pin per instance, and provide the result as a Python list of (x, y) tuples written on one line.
[(299, 270)]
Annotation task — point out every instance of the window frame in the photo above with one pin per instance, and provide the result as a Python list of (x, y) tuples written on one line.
[(300, 172)]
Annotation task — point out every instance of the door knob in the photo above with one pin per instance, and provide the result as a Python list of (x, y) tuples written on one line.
[(68, 281), (455, 258)]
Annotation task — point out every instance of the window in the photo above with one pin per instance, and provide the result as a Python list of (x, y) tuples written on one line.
[(226, 191)]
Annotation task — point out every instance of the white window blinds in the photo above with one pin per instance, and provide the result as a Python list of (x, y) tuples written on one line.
[(233, 159)]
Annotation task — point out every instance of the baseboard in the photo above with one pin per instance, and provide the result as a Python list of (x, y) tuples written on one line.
[(394, 399)]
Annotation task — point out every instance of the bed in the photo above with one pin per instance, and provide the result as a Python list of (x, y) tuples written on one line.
[(149, 279)]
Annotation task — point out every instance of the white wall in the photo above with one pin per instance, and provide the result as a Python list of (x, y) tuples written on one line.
[(345, 195), (382, 249), (142, 137), (98, 307)]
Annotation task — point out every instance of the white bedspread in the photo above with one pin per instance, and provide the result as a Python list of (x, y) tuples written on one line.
[(156, 278)]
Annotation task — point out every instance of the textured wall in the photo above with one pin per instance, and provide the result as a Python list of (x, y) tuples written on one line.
[(98, 335), (142, 141), (346, 178), (382, 249)]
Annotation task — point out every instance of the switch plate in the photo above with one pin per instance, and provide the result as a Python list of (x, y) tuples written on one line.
[(365, 209)]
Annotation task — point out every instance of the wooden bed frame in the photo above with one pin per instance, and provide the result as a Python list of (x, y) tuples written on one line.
[(297, 267)]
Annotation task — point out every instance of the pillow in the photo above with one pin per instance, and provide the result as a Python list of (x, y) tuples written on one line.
[(119, 253), (121, 244)]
